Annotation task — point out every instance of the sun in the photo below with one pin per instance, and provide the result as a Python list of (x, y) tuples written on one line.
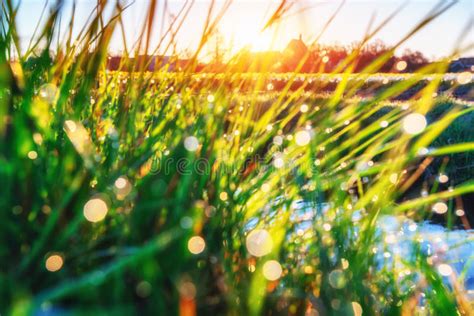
[(247, 36), (260, 41)]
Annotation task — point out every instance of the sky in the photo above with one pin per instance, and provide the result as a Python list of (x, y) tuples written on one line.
[(243, 21)]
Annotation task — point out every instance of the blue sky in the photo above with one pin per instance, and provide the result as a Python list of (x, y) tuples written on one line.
[(243, 21)]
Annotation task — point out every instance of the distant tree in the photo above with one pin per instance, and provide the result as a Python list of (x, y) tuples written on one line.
[(373, 51), (414, 59), (325, 58), (218, 51)]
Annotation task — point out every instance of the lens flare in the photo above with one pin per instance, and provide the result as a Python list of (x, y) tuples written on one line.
[(272, 270), (414, 123), (95, 210), (54, 263), (259, 242), (196, 245)]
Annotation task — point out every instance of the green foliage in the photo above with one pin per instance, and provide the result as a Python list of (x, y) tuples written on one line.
[(175, 156)]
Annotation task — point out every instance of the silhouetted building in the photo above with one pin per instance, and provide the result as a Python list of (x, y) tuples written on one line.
[(296, 52)]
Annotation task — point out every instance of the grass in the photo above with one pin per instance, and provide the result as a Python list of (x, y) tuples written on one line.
[(174, 159)]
